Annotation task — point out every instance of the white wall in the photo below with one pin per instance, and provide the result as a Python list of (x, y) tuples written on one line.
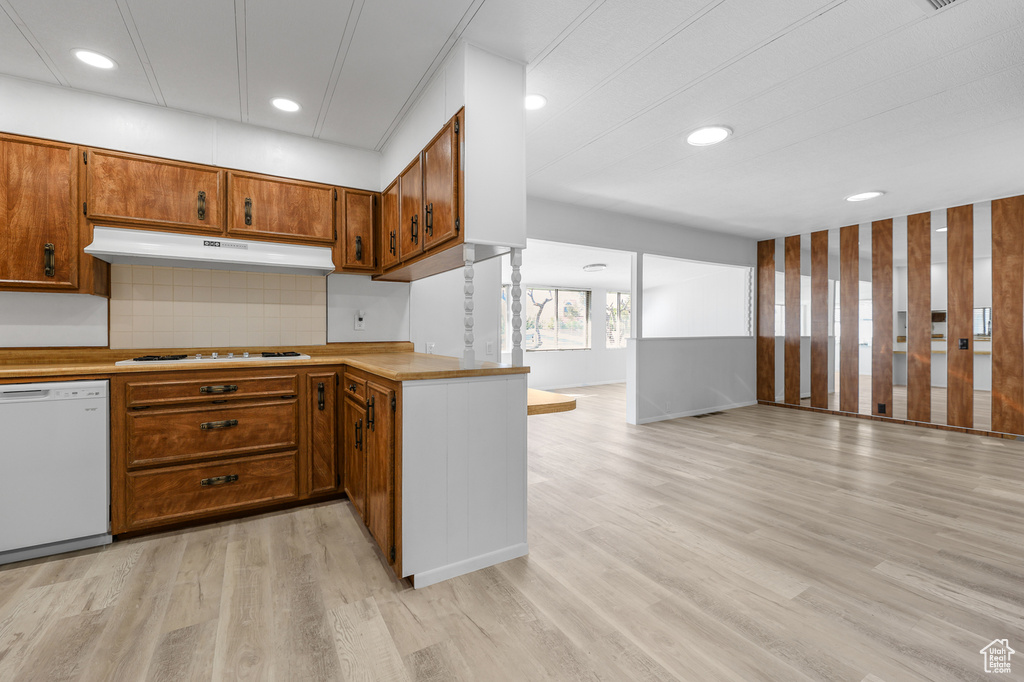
[(41, 319), (715, 373), (693, 299), (386, 305), (436, 305)]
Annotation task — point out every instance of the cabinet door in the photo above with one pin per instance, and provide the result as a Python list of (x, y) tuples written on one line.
[(38, 214), (390, 223), (410, 188), (357, 223), (133, 189), (380, 466), (285, 210), (441, 186), (355, 455), (323, 432)]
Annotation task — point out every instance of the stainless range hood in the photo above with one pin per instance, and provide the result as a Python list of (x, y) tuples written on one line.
[(146, 247)]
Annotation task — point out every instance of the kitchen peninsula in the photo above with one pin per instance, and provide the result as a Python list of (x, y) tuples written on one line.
[(432, 456)]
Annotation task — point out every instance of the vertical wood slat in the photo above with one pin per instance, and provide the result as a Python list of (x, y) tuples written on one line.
[(881, 316), (792, 349), (849, 305), (1008, 315), (960, 316), (766, 320), (819, 319), (919, 317)]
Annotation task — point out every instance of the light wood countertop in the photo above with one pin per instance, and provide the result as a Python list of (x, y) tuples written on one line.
[(395, 361), (546, 402)]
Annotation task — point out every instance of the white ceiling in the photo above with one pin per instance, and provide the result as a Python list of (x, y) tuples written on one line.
[(826, 97), (553, 264)]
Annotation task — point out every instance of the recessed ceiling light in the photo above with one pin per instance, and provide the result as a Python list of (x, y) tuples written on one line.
[(941, 229), (285, 104), (705, 137), (864, 196), (594, 267), (95, 59), (534, 102)]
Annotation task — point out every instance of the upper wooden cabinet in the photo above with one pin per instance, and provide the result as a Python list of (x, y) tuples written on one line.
[(423, 209), (356, 213), (410, 192), (441, 214), (284, 210), (390, 225), (124, 188), (39, 228)]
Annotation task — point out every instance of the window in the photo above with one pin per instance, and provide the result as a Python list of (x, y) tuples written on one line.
[(556, 319), (618, 309)]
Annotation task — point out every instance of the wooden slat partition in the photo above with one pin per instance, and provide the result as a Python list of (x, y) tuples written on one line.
[(766, 320), (791, 392), (919, 317), (960, 316), (1008, 315), (881, 315), (849, 304), (819, 319)]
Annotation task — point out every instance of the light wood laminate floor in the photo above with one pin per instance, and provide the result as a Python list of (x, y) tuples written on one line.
[(758, 544)]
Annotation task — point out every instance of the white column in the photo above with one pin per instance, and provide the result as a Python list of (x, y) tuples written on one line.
[(517, 308), (468, 354), (633, 343)]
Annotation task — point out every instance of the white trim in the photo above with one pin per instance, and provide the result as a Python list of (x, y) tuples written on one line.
[(15, 555), (703, 410), (436, 575)]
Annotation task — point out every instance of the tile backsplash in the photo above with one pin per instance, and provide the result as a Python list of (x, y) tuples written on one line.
[(153, 307)]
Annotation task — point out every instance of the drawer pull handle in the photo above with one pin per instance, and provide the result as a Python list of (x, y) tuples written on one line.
[(201, 205), (320, 396), (218, 480), (223, 424), (49, 260), (352, 387), (226, 388)]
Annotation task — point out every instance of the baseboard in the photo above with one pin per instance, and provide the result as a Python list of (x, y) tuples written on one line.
[(690, 413), (436, 575), (15, 555)]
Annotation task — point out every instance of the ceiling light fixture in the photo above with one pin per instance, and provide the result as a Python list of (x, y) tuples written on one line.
[(534, 102), (595, 267), (864, 196), (94, 59), (285, 104), (705, 137), (941, 229)]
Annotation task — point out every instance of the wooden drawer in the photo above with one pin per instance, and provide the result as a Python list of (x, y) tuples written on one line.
[(354, 386), (208, 388), (178, 493), (171, 436)]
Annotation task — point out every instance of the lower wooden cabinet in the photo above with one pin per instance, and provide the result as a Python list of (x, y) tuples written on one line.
[(195, 445), (370, 457)]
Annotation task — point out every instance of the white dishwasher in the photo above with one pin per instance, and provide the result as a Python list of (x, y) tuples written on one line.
[(54, 468)]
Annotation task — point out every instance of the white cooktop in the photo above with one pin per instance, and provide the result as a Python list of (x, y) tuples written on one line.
[(208, 357)]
